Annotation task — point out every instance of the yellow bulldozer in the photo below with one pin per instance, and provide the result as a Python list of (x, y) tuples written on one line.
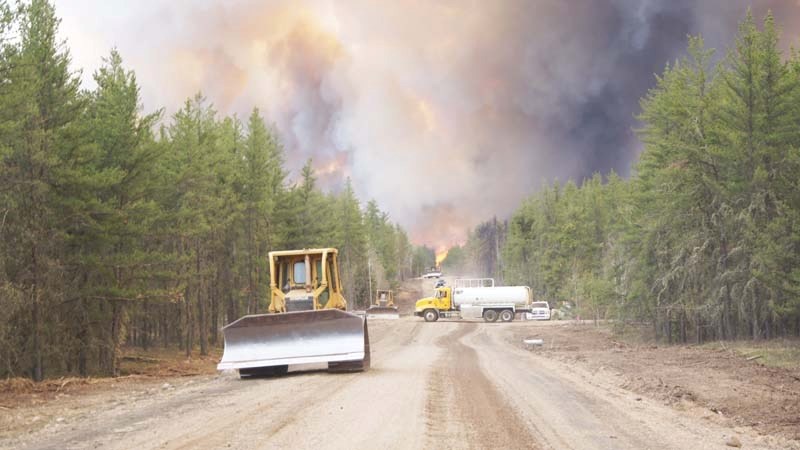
[(383, 307), (307, 322)]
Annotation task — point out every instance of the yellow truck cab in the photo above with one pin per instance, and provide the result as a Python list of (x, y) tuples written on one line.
[(466, 300), (441, 301)]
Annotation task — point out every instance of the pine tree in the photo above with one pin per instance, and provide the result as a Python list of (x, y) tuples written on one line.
[(43, 153), (351, 241), (115, 264)]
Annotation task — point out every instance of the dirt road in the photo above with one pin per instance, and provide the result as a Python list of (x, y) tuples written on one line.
[(445, 385)]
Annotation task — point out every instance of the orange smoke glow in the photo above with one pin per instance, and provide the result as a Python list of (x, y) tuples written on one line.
[(443, 228), (427, 114), (330, 168)]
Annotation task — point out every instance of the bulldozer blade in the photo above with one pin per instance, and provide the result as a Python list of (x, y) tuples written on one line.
[(382, 312), (303, 337)]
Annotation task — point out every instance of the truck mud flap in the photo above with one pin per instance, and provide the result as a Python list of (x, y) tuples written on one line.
[(383, 312), (328, 336)]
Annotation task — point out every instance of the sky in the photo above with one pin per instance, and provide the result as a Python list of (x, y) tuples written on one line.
[(447, 113)]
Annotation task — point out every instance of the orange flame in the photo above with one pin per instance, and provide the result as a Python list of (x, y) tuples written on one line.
[(441, 254)]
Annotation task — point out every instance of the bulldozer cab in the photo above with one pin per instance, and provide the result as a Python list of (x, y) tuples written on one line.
[(305, 280), (384, 297)]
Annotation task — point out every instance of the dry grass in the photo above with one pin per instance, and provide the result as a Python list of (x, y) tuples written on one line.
[(169, 362), (135, 364), (783, 353), (19, 385)]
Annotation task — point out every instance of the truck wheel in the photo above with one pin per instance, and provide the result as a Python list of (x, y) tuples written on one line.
[(430, 315), (490, 315), (506, 315)]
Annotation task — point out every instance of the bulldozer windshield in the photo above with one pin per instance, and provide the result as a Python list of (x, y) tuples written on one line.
[(299, 273)]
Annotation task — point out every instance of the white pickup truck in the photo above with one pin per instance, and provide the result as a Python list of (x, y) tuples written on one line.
[(539, 311), (435, 274)]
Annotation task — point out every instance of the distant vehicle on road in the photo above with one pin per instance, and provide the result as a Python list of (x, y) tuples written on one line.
[(434, 274), (539, 311), (439, 283), (383, 307)]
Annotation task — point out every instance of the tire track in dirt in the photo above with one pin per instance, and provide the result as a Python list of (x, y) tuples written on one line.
[(219, 434), (383, 408), (568, 416), (464, 409), (572, 408), (230, 407)]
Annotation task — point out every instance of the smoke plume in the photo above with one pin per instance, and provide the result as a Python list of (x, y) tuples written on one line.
[(446, 113)]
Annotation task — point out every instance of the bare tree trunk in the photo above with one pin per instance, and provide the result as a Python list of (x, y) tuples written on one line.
[(755, 319), (83, 338), (669, 327), (146, 321), (116, 336), (251, 283), (164, 319), (231, 307), (683, 326), (255, 289), (233, 304), (656, 324), (188, 323), (202, 328), (214, 293), (699, 329), (37, 371)]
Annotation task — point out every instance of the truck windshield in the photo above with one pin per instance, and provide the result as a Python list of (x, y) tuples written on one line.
[(541, 305)]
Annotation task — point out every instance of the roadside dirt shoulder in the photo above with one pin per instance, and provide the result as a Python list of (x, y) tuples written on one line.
[(146, 412), (715, 385), (41, 415)]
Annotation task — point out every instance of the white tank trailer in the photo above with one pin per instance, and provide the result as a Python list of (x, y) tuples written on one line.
[(519, 296)]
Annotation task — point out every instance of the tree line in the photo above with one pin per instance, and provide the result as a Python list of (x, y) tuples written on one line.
[(123, 227), (703, 240)]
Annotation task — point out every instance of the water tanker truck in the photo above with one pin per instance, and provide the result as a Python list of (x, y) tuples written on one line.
[(466, 300)]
